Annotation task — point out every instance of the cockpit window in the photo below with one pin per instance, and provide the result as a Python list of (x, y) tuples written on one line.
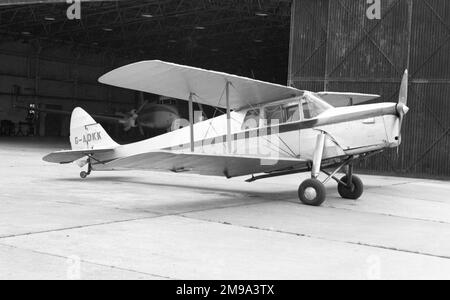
[(313, 106), (274, 115), (292, 113), (251, 119)]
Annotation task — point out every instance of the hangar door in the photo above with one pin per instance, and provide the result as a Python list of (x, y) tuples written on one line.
[(336, 47)]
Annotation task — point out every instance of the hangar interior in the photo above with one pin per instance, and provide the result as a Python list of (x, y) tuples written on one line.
[(53, 62)]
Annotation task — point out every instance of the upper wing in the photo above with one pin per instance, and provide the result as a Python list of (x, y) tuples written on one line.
[(65, 157), (346, 99), (177, 81), (213, 165)]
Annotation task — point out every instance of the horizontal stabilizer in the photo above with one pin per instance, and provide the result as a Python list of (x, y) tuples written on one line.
[(207, 87), (346, 99), (65, 157)]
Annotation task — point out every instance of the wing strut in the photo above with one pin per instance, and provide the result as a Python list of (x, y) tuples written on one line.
[(318, 153), (191, 120), (227, 92)]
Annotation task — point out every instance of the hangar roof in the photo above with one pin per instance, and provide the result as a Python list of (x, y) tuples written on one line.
[(204, 33)]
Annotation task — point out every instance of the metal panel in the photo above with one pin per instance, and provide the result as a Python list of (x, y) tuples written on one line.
[(308, 44), (362, 55)]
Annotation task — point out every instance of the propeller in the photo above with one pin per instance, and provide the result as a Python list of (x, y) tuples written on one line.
[(130, 119), (141, 129), (402, 108)]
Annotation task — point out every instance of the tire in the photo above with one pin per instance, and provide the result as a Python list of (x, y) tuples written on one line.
[(83, 174), (312, 192), (353, 193)]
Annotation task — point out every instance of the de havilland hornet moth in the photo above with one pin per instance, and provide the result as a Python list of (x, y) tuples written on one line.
[(268, 130)]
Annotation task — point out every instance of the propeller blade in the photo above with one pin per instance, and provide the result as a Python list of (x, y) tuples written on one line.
[(402, 108), (403, 95), (141, 130), (402, 117), (142, 107), (400, 121)]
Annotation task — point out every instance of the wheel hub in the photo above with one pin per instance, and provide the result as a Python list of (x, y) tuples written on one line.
[(310, 193)]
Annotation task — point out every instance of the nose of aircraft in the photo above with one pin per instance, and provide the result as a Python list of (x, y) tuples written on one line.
[(402, 109)]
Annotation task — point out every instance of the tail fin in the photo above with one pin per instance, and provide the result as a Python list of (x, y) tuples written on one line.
[(86, 134)]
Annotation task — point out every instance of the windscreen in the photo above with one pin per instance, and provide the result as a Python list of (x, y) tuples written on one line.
[(313, 105)]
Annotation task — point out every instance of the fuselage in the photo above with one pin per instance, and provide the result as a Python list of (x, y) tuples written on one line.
[(285, 129), (158, 116)]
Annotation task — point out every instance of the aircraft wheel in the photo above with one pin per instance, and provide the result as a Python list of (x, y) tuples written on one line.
[(312, 192), (83, 174), (354, 192)]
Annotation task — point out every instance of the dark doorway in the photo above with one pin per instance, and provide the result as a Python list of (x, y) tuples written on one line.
[(53, 122)]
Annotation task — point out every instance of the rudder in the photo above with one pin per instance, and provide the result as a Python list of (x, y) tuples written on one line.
[(86, 133)]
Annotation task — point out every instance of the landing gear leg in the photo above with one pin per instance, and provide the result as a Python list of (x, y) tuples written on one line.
[(350, 186), (84, 174), (312, 192)]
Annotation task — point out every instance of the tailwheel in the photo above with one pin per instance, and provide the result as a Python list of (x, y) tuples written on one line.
[(351, 190), (84, 174), (312, 192)]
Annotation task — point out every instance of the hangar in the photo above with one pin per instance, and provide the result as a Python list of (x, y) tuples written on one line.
[(133, 224)]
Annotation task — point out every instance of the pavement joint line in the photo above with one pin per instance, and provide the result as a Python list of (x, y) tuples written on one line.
[(389, 215), (418, 199), (392, 215), (260, 202), (156, 216), (159, 215), (86, 261), (389, 185), (71, 228), (321, 238), (375, 213)]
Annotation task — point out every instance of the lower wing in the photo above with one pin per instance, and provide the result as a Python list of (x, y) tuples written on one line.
[(204, 164)]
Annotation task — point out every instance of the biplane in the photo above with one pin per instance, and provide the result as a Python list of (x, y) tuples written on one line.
[(266, 130)]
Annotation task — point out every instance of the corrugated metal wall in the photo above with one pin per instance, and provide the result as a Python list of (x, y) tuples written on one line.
[(334, 46)]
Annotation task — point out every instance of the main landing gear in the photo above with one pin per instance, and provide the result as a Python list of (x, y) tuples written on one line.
[(312, 191), (84, 174)]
